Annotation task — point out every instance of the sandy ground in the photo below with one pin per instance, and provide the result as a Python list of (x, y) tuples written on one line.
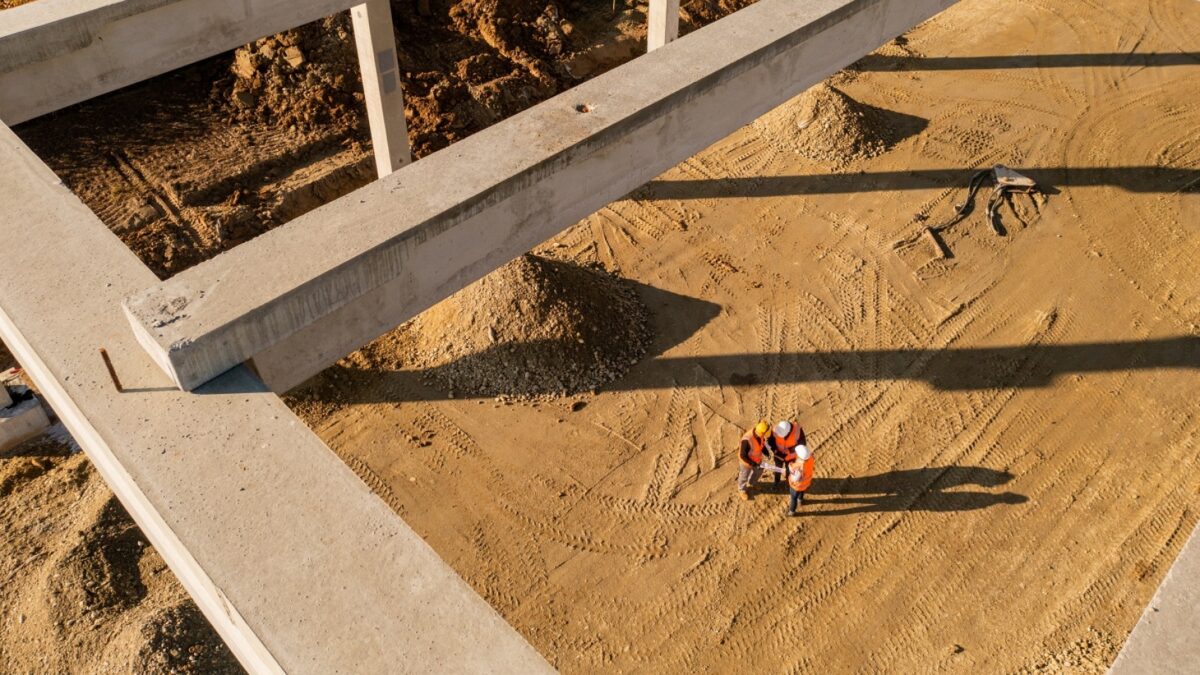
[(1004, 439), (81, 590), (999, 435)]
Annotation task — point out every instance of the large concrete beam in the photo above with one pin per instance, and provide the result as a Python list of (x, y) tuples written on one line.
[(289, 555), (663, 23), (375, 38), (311, 291), (55, 53)]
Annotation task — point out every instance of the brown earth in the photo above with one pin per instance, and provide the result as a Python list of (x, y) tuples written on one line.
[(826, 125), (535, 328), (992, 493), (81, 590), (195, 162)]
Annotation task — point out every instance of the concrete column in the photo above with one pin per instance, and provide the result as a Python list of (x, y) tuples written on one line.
[(376, 41), (664, 23)]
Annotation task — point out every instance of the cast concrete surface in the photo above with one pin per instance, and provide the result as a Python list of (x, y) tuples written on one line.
[(305, 294), (1167, 638), (54, 53), (289, 555), (376, 44)]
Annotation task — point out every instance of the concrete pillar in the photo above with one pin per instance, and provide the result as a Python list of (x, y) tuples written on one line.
[(376, 41), (664, 23)]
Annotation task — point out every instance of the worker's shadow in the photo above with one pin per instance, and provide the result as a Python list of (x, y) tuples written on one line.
[(934, 489)]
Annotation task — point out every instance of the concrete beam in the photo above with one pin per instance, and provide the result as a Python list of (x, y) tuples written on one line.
[(375, 38), (291, 557), (663, 23), (307, 293), (1164, 639), (55, 53)]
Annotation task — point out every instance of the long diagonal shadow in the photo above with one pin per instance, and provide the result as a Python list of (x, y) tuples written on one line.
[(1143, 179), (884, 62), (937, 489), (968, 368), (676, 317)]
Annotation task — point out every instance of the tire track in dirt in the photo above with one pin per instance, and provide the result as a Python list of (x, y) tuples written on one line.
[(1153, 257)]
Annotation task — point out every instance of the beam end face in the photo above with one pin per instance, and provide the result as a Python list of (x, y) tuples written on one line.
[(157, 316)]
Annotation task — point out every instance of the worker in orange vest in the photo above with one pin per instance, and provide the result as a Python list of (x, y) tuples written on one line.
[(750, 457), (799, 475), (786, 437)]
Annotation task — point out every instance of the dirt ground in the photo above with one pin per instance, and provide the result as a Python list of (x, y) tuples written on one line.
[(81, 590), (999, 435), (192, 163)]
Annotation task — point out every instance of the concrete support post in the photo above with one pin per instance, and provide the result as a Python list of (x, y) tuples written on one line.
[(376, 41), (664, 23)]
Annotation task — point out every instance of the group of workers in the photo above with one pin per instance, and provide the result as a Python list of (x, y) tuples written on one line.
[(789, 452)]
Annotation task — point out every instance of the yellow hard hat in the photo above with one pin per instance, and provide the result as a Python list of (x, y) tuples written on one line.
[(762, 429)]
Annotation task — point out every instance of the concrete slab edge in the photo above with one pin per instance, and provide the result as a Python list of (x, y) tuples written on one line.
[(1166, 639), (232, 628)]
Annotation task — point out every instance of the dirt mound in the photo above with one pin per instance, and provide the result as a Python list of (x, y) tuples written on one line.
[(826, 125), (306, 77), (83, 590), (535, 327), (178, 639)]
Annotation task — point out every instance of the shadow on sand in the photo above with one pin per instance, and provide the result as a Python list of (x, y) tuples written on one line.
[(933, 489)]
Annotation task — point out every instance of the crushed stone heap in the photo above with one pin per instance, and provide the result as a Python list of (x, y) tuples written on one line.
[(537, 327), (826, 125)]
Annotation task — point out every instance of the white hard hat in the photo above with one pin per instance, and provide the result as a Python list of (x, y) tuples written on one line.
[(803, 452), (783, 428)]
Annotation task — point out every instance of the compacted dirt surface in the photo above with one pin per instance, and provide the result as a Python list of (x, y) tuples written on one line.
[(1004, 438)]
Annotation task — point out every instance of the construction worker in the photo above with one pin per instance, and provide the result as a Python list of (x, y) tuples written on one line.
[(750, 457), (799, 475), (785, 438)]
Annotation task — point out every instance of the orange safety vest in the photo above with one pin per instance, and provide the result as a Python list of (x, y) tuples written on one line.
[(787, 444), (800, 477), (756, 449)]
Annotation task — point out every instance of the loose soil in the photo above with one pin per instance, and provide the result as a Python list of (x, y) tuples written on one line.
[(200, 160), (535, 328), (82, 589), (826, 125), (999, 434)]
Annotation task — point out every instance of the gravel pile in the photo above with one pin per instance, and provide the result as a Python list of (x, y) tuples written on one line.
[(826, 125), (535, 328)]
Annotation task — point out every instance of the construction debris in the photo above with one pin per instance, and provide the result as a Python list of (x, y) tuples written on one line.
[(1006, 183)]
